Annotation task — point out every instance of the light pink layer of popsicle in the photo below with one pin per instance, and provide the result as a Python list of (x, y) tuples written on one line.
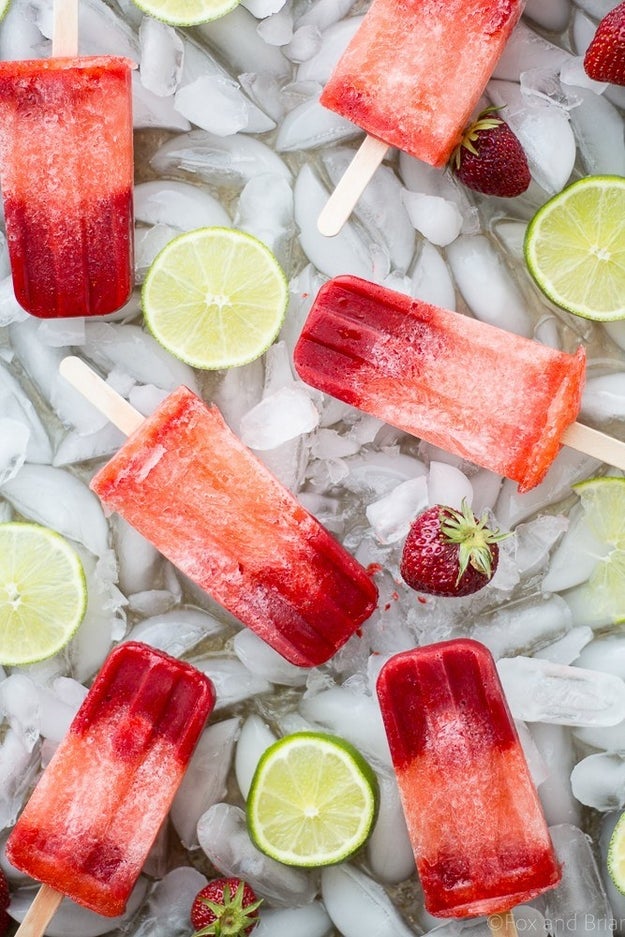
[(415, 70)]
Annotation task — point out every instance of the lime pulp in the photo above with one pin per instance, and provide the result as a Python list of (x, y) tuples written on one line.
[(312, 801)]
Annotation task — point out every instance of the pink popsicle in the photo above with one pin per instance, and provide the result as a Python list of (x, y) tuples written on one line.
[(487, 395), (474, 818), (66, 169), (186, 483), (90, 822), (415, 69)]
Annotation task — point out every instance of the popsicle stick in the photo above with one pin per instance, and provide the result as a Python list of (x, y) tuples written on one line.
[(351, 185), (595, 443), (502, 925), (107, 400), (65, 28), (40, 913)]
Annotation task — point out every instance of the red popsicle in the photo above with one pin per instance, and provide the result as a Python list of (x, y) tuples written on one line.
[(475, 822), (90, 822)]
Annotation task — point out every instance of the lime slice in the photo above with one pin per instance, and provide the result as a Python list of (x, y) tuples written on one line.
[(616, 854), (4, 6), (575, 248), (601, 599), (312, 801), (43, 594), (215, 297), (186, 12)]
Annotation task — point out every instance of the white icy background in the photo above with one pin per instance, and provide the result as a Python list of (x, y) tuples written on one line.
[(263, 155)]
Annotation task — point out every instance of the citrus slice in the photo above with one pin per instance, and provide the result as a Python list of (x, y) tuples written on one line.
[(575, 248), (312, 801), (4, 6), (601, 598), (186, 12), (616, 854), (43, 594), (215, 297)]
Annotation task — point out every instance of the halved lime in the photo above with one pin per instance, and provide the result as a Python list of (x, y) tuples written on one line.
[(186, 12), (575, 248), (43, 595), (313, 800), (215, 297), (616, 854), (601, 598)]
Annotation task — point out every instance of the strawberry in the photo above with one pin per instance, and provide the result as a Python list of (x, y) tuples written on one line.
[(5, 898), (490, 158), (226, 907), (449, 552), (605, 56)]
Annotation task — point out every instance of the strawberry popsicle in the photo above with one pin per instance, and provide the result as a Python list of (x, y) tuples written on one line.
[(414, 71), (66, 172), (93, 816), (487, 395), (189, 486), (474, 819)]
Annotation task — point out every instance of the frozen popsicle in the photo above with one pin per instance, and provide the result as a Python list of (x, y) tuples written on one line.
[(66, 172), (188, 485), (411, 77), (480, 840), (492, 397), (93, 816)]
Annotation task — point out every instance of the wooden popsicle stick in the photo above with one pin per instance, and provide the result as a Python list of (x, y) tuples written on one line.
[(351, 185), (40, 913), (502, 925), (595, 443), (65, 28), (108, 401)]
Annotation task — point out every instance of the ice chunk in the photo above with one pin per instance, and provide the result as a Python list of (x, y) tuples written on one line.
[(235, 36), (265, 210), (217, 160), (178, 205), (177, 631), (57, 499), (389, 850), (431, 279), (541, 691), (255, 738), (599, 780), (352, 714), (261, 659), (555, 745), (487, 285), (598, 127), (311, 920), (72, 920), (283, 415), (544, 131), (358, 905), (448, 485), (166, 913), (392, 515), (222, 832), (436, 218), (233, 682), (578, 905), (567, 649), (161, 56), (335, 40), (523, 625), (205, 781)]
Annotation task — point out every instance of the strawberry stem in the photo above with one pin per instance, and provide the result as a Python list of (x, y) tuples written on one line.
[(472, 537)]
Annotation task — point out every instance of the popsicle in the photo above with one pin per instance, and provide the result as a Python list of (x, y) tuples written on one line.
[(474, 819), (188, 485), (92, 818), (66, 172), (411, 77), (497, 399)]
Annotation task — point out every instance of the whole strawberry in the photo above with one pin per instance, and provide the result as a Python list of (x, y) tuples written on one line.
[(605, 56), (449, 552), (490, 158), (5, 898), (226, 907)]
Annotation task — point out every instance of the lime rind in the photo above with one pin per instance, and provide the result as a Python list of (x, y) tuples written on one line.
[(616, 855), (186, 12), (575, 248), (215, 298), (43, 593), (313, 800)]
